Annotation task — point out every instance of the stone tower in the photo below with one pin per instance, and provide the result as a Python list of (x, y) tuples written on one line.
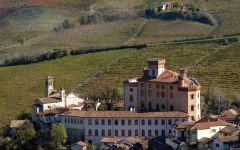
[(49, 86)]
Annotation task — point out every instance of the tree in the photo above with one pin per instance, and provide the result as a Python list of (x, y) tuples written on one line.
[(58, 135), (24, 115), (109, 96), (66, 24), (25, 134)]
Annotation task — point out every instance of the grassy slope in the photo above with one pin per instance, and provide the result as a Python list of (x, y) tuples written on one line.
[(23, 84)]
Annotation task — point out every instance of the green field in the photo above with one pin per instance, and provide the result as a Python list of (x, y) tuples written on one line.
[(21, 85)]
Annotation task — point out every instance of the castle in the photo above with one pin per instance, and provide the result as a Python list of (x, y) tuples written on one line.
[(153, 103)]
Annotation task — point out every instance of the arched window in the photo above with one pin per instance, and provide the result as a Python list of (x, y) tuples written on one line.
[(96, 122), (150, 105), (136, 122), (123, 122), (131, 98), (109, 122), (192, 107), (116, 122), (89, 132), (143, 122), (157, 107), (129, 133), (149, 122), (192, 96), (143, 132), (156, 122), (169, 122), (103, 132), (116, 132), (163, 107), (89, 122), (171, 108), (129, 122), (109, 132), (123, 132), (149, 132), (136, 132), (96, 132), (156, 132), (103, 122)]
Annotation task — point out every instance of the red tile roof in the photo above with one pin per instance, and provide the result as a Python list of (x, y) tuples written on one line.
[(54, 112), (124, 114), (166, 76), (54, 98), (206, 125)]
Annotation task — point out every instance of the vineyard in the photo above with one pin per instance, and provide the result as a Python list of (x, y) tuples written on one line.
[(23, 84)]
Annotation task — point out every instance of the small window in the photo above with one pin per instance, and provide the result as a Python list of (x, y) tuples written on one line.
[(150, 105), (171, 87), (156, 122), (116, 122), (157, 86), (143, 122), (65, 120), (163, 94), (149, 122), (163, 122), (123, 132), (109, 122), (149, 93), (131, 98), (129, 133), (149, 132), (157, 93), (163, 107), (116, 132), (163, 86), (136, 122), (156, 132), (89, 122), (192, 96), (123, 122), (129, 122), (96, 122), (143, 132), (131, 89), (169, 122), (96, 132), (103, 122), (109, 132), (192, 108), (157, 107), (136, 132), (171, 108), (193, 118), (89, 132), (141, 84), (217, 145), (213, 130), (103, 132)]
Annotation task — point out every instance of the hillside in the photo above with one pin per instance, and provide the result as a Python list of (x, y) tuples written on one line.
[(23, 84), (35, 21)]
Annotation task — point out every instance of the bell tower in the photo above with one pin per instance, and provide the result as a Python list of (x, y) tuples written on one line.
[(49, 86)]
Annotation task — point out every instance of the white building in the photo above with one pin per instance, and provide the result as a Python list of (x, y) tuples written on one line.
[(94, 125), (163, 90)]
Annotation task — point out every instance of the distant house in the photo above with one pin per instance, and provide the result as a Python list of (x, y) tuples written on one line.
[(80, 145), (230, 115), (17, 124), (166, 6)]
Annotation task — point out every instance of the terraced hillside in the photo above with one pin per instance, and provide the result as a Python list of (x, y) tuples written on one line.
[(21, 85)]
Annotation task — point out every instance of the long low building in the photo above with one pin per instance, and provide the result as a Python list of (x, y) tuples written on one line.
[(95, 125)]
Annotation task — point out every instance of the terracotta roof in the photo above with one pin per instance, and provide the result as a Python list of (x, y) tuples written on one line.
[(110, 140), (229, 129), (53, 111), (81, 143), (132, 140), (233, 138), (54, 98), (228, 115), (208, 124), (184, 125), (17, 123), (166, 76), (205, 140), (119, 103), (124, 114)]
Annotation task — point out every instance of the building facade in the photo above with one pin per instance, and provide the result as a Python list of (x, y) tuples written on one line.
[(163, 90), (95, 125)]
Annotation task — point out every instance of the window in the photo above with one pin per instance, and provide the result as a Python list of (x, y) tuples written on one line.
[(171, 95), (65, 120), (89, 122), (213, 130), (149, 93), (149, 122), (192, 117), (136, 132), (158, 94), (81, 121), (157, 107), (156, 122), (171, 87), (163, 86), (163, 122), (103, 122), (192, 96), (198, 106), (157, 86), (103, 132), (136, 122), (156, 132), (96, 132), (192, 108), (217, 145), (123, 122), (142, 92), (109, 132), (169, 122), (131, 98), (96, 122), (116, 132), (123, 132), (129, 122), (163, 106), (171, 108), (109, 122), (129, 133), (163, 94), (150, 105), (149, 132), (131, 89), (116, 122), (71, 120), (169, 131), (141, 84), (143, 122), (75, 121), (153, 72), (89, 132), (143, 132), (163, 132)]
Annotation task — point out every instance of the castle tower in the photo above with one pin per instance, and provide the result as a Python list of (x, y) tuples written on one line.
[(49, 86), (156, 67)]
